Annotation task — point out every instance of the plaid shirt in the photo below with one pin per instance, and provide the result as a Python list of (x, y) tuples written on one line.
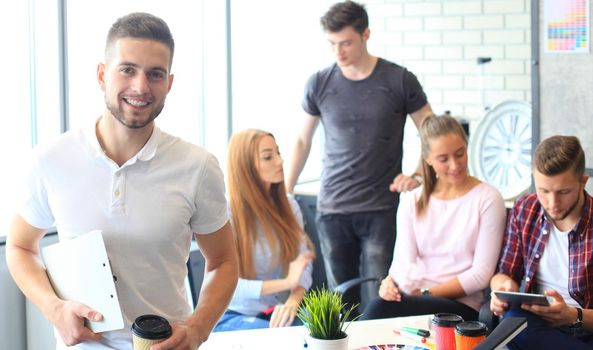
[(526, 235)]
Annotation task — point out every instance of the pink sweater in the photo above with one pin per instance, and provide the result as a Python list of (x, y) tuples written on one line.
[(454, 238)]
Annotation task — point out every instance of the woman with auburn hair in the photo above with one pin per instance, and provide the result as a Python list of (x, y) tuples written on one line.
[(449, 233), (275, 255)]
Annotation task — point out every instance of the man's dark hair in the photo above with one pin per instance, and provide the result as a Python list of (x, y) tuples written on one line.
[(557, 154), (141, 26), (344, 14)]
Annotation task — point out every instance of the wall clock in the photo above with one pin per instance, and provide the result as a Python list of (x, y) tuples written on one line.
[(500, 149)]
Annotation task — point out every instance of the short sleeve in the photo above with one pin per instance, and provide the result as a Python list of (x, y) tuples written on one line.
[(211, 205), (309, 103), (415, 96), (32, 201)]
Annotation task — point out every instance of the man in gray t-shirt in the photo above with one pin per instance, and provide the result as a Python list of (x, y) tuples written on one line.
[(363, 102)]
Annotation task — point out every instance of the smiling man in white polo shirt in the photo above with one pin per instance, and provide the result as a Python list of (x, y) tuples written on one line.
[(146, 190)]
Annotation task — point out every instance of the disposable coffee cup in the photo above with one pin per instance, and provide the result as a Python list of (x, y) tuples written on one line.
[(148, 330), (443, 325), (469, 334)]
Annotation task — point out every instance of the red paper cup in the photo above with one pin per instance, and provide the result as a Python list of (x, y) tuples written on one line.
[(443, 325)]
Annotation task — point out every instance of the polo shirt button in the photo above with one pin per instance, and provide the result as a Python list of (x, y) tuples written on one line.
[(527, 279), (117, 193), (537, 256), (545, 232)]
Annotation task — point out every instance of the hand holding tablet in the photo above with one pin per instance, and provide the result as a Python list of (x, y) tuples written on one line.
[(515, 299)]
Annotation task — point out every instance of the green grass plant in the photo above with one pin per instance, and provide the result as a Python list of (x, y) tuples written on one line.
[(321, 313)]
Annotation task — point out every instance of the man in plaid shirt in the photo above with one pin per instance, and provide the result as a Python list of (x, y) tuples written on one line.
[(548, 249)]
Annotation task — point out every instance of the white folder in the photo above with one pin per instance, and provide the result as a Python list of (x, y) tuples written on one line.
[(79, 270)]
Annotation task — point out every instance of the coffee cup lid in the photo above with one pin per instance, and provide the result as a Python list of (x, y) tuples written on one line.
[(471, 328), (151, 327), (446, 320)]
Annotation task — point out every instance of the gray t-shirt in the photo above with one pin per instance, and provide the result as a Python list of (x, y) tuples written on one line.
[(364, 123)]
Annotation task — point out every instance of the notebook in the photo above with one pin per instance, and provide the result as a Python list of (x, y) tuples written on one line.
[(79, 270)]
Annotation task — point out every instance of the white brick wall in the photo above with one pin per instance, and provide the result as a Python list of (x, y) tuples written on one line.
[(443, 52), (462, 7), (504, 6), (423, 9), (483, 22), (440, 40), (444, 23), (475, 51), (405, 24)]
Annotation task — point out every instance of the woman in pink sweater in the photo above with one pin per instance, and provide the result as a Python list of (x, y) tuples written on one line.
[(449, 234)]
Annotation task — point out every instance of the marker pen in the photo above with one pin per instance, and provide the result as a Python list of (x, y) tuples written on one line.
[(418, 331), (410, 336)]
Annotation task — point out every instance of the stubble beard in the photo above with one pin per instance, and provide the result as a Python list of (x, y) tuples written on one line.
[(119, 115), (567, 212)]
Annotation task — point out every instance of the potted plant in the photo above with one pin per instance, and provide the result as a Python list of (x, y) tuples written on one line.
[(324, 315)]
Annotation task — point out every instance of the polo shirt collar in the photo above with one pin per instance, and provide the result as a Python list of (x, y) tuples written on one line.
[(145, 154), (149, 150)]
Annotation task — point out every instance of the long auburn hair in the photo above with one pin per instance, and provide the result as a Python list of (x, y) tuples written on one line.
[(431, 128), (252, 205)]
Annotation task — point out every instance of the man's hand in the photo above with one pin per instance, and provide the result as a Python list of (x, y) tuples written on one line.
[(389, 290), (283, 314), (68, 318), (296, 268), (403, 183), (497, 306), (557, 314), (184, 337)]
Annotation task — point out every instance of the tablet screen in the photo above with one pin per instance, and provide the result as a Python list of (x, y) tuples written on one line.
[(515, 299)]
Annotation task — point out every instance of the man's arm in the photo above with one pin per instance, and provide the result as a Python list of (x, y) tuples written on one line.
[(501, 282), (402, 182), (559, 314), (25, 265), (220, 280), (301, 150)]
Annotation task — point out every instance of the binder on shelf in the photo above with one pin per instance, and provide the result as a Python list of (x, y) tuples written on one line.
[(503, 333), (79, 270)]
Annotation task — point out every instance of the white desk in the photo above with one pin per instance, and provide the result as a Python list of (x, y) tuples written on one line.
[(361, 333)]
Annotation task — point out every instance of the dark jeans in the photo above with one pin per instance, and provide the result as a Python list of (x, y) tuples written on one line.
[(538, 335), (417, 305), (357, 244)]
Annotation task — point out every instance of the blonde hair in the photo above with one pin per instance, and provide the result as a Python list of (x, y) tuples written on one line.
[(431, 128), (251, 205)]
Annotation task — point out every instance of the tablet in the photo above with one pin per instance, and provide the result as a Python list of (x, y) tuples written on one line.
[(515, 299)]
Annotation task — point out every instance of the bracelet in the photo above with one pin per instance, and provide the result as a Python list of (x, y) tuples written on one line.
[(417, 177)]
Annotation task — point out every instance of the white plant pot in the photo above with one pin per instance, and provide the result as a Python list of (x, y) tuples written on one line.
[(327, 344)]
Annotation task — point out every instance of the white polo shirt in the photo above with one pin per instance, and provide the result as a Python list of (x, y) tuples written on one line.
[(147, 210)]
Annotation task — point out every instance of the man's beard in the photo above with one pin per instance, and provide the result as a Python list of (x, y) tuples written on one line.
[(567, 212), (119, 115)]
